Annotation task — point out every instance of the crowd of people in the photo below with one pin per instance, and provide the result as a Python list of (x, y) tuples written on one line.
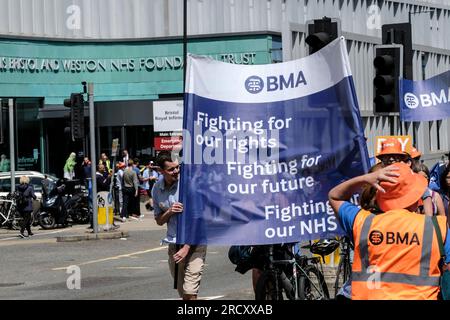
[(396, 227)]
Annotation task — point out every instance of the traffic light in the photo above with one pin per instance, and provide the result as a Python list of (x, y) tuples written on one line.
[(76, 105), (400, 33), (388, 63), (321, 32)]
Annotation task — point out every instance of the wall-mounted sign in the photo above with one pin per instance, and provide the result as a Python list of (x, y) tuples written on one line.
[(32, 64), (167, 116), (168, 143)]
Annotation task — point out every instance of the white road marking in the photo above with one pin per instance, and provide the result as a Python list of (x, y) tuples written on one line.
[(113, 258), (40, 234)]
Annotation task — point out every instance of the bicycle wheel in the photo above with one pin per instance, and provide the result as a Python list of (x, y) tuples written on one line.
[(312, 285), (342, 275), (266, 288)]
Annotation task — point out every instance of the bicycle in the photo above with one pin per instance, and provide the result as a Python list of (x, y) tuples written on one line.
[(293, 276), (344, 270), (9, 215)]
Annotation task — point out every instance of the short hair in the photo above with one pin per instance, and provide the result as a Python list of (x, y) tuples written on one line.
[(136, 160), (24, 180), (162, 158), (421, 167), (130, 163)]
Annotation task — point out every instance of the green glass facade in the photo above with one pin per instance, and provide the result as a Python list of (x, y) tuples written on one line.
[(39, 75)]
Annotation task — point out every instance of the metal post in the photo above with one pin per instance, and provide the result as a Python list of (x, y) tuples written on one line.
[(175, 278), (93, 158), (12, 155)]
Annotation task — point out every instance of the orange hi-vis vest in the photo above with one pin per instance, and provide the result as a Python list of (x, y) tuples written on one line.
[(396, 256)]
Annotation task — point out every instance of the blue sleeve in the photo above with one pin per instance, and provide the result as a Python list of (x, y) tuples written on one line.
[(426, 194), (157, 210), (347, 214), (447, 247)]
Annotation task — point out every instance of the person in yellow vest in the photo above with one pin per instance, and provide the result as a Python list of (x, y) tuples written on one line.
[(396, 251)]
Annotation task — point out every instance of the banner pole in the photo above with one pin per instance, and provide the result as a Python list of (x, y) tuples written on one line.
[(177, 246)]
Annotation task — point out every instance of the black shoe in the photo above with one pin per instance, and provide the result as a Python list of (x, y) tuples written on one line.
[(147, 206), (21, 235), (30, 234)]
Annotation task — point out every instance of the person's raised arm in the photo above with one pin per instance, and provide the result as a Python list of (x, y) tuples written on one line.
[(343, 192)]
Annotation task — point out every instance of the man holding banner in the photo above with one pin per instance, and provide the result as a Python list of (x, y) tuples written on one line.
[(190, 258)]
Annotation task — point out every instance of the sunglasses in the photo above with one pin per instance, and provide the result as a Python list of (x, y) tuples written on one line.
[(393, 158)]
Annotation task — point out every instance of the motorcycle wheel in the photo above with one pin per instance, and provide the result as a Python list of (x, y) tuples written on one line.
[(47, 221), (78, 215)]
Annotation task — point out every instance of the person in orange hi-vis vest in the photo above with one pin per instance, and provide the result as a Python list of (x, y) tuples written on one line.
[(396, 251)]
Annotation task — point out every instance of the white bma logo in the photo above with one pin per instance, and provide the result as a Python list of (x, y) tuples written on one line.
[(411, 101)]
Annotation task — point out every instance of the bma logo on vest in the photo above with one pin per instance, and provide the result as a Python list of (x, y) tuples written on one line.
[(255, 84), (426, 100), (376, 238)]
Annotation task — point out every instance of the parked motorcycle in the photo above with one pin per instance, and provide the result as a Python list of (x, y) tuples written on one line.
[(67, 202), (53, 210), (77, 207)]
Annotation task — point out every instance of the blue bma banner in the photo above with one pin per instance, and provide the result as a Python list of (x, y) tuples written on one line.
[(262, 147), (425, 100)]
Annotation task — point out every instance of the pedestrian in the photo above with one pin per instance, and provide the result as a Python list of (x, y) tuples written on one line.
[(69, 167), (436, 199), (415, 157), (125, 157), (104, 160), (130, 190), (102, 182), (152, 175), (444, 191), (26, 190), (397, 248), (118, 187), (190, 258), (392, 152), (87, 167), (5, 164), (136, 213)]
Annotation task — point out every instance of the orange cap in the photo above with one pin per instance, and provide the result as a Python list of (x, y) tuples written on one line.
[(415, 153), (391, 146), (409, 189)]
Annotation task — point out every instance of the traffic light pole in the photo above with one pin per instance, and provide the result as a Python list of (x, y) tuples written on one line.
[(12, 138), (93, 158)]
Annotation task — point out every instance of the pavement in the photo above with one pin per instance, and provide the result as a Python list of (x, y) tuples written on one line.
[(80, 232), (123, 230), (118, 230)]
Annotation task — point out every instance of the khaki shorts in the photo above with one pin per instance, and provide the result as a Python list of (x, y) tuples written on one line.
[(190, 270)]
